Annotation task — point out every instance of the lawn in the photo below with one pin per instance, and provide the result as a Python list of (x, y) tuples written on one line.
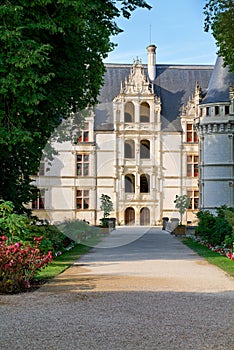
[(62, 262), (214, 258)]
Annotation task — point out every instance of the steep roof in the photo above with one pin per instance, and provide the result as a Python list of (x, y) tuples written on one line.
[(174, 84), (218, 88)]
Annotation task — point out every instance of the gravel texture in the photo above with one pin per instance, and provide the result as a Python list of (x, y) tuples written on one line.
[(151, 294)]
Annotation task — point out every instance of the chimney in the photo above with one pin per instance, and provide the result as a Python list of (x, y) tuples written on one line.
[(151, 61)]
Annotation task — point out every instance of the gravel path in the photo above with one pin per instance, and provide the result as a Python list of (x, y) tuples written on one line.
[(153, 294)]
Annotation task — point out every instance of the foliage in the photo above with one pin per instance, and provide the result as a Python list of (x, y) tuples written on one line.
[(205, 224), (106, 205), (53, 239), (51, 64), (104, 222), (14, 226), (182, 203), (19, 265), (229, 216), (77, 230), (215, 229), (220, 21), (18, 228)]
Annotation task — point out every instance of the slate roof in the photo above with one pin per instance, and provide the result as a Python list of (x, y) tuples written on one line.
[(174, 84), (218, 88)]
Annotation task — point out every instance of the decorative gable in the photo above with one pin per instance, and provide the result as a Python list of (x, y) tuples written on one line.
[(137, 83)]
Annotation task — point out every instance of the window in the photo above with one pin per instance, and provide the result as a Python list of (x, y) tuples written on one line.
[(194, 199), (192, 165), (144, 112), (145, 149), (191, 135), (226, 110), (38, 202), (144, 183), (82, 199), (129, 112), (129, 149), (130, 183), (82, 164), (216, 110), (207, 111), (84, 134)]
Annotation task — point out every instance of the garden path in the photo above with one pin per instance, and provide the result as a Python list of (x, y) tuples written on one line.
[(140, 289)]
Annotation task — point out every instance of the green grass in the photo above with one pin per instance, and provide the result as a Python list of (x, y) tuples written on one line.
[(62, 262), (214, 258)]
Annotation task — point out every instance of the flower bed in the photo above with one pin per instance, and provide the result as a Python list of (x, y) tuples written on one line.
[(19, 264), (222, 250)]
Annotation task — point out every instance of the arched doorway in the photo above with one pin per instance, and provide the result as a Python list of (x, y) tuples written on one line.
[(129, 216), (145, 216)]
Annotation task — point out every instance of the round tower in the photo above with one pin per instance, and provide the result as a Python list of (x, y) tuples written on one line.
[(215, 127)]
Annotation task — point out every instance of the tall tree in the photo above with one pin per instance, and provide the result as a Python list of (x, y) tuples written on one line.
[(220, 21), (51, 64)]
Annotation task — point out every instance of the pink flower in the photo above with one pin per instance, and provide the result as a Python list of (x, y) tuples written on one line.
[(18, 244), (3, 238), (38, 239)]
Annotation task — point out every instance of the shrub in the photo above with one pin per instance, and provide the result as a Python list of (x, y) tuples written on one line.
[(205, 225), (77, 230), (221, 230), (53, 239), (20, 228), (19, 264), (14, 226), (229, 239), (216, 230)]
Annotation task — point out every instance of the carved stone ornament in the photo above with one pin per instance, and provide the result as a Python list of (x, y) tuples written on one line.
[(137, 82)]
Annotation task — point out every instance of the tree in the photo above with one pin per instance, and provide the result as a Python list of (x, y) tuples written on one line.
[(51, 64), (182, 203), (106, 205), (220, 21)]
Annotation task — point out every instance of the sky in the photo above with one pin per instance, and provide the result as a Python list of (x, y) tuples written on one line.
[(174, 26)]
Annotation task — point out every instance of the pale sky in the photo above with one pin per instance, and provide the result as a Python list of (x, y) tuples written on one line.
[(174, 26)]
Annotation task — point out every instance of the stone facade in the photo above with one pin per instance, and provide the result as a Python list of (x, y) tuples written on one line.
[(139, 146)]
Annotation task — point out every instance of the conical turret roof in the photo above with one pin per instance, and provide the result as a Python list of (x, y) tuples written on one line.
[(218, 88)]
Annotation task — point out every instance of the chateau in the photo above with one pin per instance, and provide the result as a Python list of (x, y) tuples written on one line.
[(158, 131)]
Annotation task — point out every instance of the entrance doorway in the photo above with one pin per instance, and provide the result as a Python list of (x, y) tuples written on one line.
[(145, 216), (129, 216)]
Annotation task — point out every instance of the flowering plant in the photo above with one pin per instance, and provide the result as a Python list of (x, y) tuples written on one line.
[(19, 264), (222, 250)]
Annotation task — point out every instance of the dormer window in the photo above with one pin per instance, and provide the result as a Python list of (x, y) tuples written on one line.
[(226, 110), (191, 135), (84, 134)]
